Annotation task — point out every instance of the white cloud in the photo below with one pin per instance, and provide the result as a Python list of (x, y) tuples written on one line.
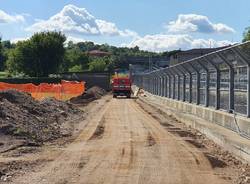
[(164, 42), (75, 39), (6, 18), (187, 23), (69, 38), (74, 20)]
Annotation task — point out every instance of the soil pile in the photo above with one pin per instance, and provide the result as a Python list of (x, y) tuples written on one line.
[(90, 95), (24, 118)]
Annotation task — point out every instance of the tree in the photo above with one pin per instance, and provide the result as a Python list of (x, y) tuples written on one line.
[(246, 34), (7, 44), (75, 57), (97, 65), (39, 56)]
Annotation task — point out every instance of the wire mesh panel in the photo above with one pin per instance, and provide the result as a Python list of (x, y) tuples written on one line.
[(212, 89), (203, 88), (227, 71), (224, 90), (194, 88), (240, 90)]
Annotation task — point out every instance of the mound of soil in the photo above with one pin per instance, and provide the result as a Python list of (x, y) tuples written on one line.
[(23, 117), (90, 95)]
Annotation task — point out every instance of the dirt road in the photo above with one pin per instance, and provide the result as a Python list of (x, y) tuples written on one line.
[(121, 143)]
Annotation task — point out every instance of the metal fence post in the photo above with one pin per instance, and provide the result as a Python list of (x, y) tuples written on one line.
[(248, 91), (154, 85), (173, 92), (162, 85), (170, 85), (190, 87), (178, 87), (166, 90), (197, 83), (217, 89), (159, 85)]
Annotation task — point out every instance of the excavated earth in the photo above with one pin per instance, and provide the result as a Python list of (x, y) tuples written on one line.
[(89, 95), (26, 121)]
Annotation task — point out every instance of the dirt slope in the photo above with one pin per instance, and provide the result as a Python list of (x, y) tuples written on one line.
[(121, 143), (90, 95), (23, 120)]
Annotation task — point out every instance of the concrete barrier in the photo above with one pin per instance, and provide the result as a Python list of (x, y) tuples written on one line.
[(220, 126)]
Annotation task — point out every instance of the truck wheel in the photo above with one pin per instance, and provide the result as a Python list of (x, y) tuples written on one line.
[(129, 96), (114, 96)]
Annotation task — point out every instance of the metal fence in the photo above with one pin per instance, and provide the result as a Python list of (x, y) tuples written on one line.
[(220, 80)]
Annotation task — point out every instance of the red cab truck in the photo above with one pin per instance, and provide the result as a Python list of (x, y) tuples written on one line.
[(121, 86)]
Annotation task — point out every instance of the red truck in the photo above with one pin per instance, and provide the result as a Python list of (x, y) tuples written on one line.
[(121, 86)]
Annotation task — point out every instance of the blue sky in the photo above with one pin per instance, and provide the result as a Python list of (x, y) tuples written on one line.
[(157, 25)]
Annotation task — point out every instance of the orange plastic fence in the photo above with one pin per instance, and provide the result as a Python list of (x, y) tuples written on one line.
[(63, 91)]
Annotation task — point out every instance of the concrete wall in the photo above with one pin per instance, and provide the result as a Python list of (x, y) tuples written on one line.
[(219, 126), (92, 79)]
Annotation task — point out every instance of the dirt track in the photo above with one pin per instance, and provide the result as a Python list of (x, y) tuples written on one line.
[(121, 143)]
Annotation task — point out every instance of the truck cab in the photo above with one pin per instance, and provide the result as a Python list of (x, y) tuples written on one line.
[(121, 86)]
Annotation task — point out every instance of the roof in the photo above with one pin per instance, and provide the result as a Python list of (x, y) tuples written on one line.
[(98, 52), (201, 50)]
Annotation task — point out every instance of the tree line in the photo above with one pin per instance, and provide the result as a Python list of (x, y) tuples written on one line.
[(48, 53)]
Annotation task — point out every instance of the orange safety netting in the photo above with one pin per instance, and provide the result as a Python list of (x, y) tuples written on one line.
[(63, 91)]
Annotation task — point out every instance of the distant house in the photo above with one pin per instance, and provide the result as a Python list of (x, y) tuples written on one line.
[(98, 53), (182, 56)]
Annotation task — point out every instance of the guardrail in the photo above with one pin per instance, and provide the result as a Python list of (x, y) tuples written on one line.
[(219, 80)]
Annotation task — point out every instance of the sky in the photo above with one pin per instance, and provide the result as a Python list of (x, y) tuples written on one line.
[(159, 25)]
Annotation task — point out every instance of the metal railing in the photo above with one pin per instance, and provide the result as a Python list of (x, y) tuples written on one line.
[(220, 80)]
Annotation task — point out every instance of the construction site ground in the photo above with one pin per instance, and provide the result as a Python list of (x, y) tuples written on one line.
[(125, 141)]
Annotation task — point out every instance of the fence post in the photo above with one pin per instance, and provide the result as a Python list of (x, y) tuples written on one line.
[(190, 87), (217, 89), (248, 91), (170, 85), (198, 88), (166, 86), (179, 87), (173, 92)]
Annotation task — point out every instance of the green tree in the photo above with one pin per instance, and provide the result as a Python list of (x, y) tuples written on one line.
[(97, 65), (39, 56), (75, 68), (75, 57), (246, 34)]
